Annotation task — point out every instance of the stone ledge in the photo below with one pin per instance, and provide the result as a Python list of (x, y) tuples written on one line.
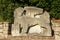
[(29, 38)]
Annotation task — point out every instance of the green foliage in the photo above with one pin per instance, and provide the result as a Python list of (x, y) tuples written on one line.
[(55, 9), (6, 10), (33, 1), (7, 7)]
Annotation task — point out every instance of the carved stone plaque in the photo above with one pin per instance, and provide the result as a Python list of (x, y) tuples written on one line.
[(31, 20)]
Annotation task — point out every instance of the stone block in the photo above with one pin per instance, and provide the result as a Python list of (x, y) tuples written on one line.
[(28, 17), (35, 29), (15, 30)]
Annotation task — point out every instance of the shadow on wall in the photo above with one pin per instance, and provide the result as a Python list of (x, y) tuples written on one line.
[(51, 27), (9, 28)]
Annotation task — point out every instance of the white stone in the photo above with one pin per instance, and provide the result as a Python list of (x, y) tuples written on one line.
[(37, 16), (32, 16), (35, 29), (15, 30), (1, 30), (15, 33), (57, 36)]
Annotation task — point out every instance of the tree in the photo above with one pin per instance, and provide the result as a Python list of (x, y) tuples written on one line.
[(7, 7)]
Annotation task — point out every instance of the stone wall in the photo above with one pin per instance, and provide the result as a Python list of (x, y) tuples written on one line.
[(4, 33), (3, 29), (44, 19), (31, 38), (56, 28)]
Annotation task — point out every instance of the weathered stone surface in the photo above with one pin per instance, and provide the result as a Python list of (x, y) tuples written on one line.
[(28, 17), (56, 28), (3, 29), (15, 27), (32, 11), (45, 16), (15, 30), (35, 29), (30, 38), (18, 12), (57, 33)]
